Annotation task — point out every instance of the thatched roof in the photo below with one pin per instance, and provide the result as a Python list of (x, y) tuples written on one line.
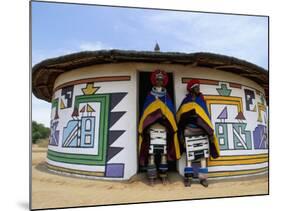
[(45, 73)]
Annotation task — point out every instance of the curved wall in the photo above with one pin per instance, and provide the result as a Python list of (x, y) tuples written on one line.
[(95, 111)]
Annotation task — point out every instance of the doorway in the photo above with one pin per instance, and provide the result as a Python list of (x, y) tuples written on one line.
[(144, 87)]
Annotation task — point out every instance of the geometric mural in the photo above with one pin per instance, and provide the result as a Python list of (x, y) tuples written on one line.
[(224, 100), (114, 116), (230, 126), (250, 100), (223, 114), (90, 129), (87, 131), (223, 90), (240, 117), (79, 133), (114, 170), (231, 133), (260, 137), (221, 131), (241, 137), (82, 131), (54, 136), (93, 119), (235, 114), (261, 108), (70, 134), (55, 105), (66, 97)]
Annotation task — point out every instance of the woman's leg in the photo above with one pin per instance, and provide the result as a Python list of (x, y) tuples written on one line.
[(163, 168), (203, 172), (151, 166), (188, 173)]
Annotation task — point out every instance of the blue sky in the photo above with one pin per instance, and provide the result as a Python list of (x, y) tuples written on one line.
[(59, 29)]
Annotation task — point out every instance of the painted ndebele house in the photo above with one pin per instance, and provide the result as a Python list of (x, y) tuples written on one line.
[(97, 97)]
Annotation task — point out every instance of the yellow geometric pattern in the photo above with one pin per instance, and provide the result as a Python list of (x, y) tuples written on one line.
[(90, 89), (215, 99), (62, 106), (238, 162), (89, 108), (261, 108)]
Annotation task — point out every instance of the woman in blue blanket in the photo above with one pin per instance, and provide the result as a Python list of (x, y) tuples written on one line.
[(158, 130), (196, 128)]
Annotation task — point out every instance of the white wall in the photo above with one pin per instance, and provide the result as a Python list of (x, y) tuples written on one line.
[(128, 122), (127, 141)]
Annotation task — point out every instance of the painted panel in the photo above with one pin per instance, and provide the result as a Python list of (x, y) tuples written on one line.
[(239, 116), (92, 120)]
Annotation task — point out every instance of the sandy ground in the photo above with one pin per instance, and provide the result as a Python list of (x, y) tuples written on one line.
[(51, 190)]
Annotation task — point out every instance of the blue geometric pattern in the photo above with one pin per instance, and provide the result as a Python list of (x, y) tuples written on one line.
[(87, 131), (70, 134)]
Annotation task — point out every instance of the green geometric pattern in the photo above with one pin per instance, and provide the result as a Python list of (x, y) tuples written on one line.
[(239, 142), (262, 99), (224, 91), (223, 135), (100, 158), (55, 103)]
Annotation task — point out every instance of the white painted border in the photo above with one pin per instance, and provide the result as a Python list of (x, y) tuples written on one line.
[(85, 176), (77, 167), (237, 167), (249, 176)]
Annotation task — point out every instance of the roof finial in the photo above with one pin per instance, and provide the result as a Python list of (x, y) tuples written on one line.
[(156, 48)]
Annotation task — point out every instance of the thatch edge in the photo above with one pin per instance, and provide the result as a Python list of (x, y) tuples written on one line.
[(51, 68)]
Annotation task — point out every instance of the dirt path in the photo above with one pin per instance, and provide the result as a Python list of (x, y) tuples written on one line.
[(51, 190)]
